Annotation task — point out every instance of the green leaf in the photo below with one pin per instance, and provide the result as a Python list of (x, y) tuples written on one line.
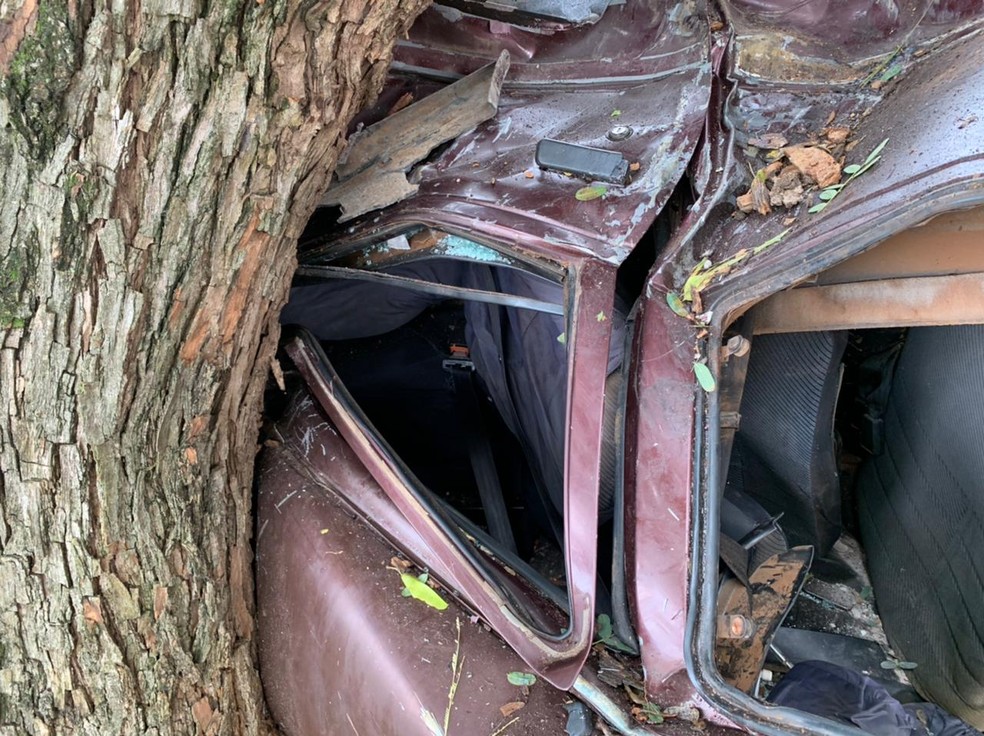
[(423, 592), (677, 305), (704, 377), (697, 279), (771, 241), (828, 194), (423, 577), (600, 317), (852, 169), (650, 713), (616, 113), (891, 73), (873, 156), (521, 679), (820, 207), (586, 194), (604, 627), (405, 592), (562, 338)]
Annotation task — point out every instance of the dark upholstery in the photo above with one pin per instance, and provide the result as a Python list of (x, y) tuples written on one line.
[(922, 516)]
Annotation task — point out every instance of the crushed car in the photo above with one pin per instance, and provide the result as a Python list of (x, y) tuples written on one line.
[(632, 381)]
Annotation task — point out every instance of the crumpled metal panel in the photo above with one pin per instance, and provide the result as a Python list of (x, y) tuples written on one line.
[(933, 162), (644, 66), (342, 651)]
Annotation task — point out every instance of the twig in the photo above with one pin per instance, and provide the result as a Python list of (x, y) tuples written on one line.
[(502, 729), (456, 667)]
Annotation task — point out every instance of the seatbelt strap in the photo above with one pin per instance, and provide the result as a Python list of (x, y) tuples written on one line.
[(479, 448)]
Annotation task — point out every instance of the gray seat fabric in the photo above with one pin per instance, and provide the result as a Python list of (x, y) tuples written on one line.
[(783, 454), (922, 516)]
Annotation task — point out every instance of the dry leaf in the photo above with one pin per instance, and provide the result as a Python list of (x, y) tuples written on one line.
[(838, 134), (400, 564), (509, 708), (405, 99), (635, 166), (745, 203), (815, 163)]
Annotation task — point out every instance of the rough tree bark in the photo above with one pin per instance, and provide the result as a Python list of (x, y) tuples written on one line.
[(157, 162)]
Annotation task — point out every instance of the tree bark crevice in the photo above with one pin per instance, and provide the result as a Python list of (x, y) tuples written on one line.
[(158, 161)]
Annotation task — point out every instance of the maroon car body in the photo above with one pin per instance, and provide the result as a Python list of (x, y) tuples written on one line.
[(341, 650)]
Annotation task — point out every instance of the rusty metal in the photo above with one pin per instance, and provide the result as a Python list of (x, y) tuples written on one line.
[(737, 346), (929, 300), (753, 614), (946, 245), (734, 626)]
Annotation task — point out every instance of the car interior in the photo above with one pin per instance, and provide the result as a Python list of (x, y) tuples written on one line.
[(850, 521), (860, 436)]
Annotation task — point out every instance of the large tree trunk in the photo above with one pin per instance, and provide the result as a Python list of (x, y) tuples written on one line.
[(158, 161)]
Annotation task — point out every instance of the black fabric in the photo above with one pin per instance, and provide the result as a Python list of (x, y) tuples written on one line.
[(783, 454), (520, 361), (393, 378), (851, 698), (480, 451), (922, 516), (859, 655)]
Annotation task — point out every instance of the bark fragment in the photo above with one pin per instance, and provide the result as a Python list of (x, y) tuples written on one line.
[(815, 163)]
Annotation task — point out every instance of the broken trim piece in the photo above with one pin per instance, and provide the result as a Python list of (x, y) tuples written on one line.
[(372, 172), (430, 287)]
